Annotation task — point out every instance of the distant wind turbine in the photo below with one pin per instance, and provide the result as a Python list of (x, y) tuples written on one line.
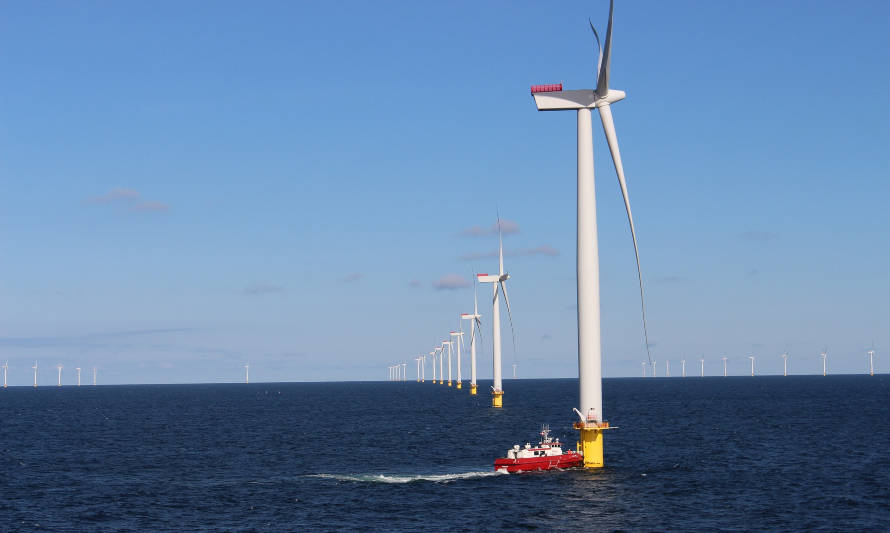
[(683, 363), (474, 322), (499, 286), (644, 363), (751, 357), (871, 362), (94, 375), (514, 370), (667, 368), (785, 361), (5, 370), (702, 360), (60, 375), (35, 373), (78, 375), (449, 344), (404, 371), (459, 336), (724, 367), (823, 355), (654, 374)]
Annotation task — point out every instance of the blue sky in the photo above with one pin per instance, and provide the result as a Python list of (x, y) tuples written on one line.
[(185, 187)]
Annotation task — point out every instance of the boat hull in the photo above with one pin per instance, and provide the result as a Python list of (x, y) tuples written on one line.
[(566, 460)]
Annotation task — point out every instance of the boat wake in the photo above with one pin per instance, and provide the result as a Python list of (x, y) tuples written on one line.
[(383, 478)]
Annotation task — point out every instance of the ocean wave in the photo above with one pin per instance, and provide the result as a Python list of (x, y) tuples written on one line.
[(383, 478)]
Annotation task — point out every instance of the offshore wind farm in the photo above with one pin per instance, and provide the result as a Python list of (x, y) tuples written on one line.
[(268, 233)]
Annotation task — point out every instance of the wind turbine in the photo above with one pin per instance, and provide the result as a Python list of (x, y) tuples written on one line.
[(5, 371), (423, 369), (448, 343), (724, 367), (751, 357), (667, 368), (35, 373), (498, 281), (460, 340), (404, 371), (442, 363), (683, 362), (823, 355), (474, 321), (644, 367), (60, 375), (94, 375), (702, 361), (78, 375), (439, 360), (785, 361), (553, 98), (871, 362), (435, 355), (247, 373), (514, 370), (654, 374)]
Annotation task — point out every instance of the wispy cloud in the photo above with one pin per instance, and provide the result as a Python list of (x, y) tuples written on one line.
[(130, 199), (262, 288), (544, 249), (508, 227), (670, 279), (414, 283), (758, 236), (451, 282), (351, 278)]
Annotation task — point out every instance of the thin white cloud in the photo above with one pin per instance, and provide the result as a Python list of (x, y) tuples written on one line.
[(544, 249), (262, 288), (451, 282), (131, 199), (414, 283), (508, 227), (351, 278)]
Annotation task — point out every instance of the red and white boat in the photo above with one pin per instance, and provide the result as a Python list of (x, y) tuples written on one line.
[(546, 455)]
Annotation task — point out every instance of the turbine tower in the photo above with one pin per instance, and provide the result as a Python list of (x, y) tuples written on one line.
[(442, 364), (644, 367), (823, 355), (459, 335), (654, 374), (474, 321), (423, 369), (78, 375), (553, 98), (683, 363), (702, 361), (871, 362), (448, 343), (35, 373), (751, 357), (247, 373), (5, 371), (514, 370), (667, 368), (94, 375), (724, 367), (404, 371), (435, 355), (417, 361), (498, 281), (785, 361), (59, 367)]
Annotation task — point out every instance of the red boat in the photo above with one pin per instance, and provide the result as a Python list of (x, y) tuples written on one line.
[(546, 455)]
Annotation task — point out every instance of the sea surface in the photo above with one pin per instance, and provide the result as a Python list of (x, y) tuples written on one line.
[(690, 454)]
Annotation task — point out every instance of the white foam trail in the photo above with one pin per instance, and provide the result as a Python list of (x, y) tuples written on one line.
[(383, 478)]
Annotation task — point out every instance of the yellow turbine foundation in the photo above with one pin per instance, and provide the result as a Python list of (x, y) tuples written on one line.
[(473, 390), (458, 384), (449, 382), (591, 444), (497, 398)]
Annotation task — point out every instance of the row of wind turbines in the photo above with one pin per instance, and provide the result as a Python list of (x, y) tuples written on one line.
[(823, 356), (5, 368), (452, 345)]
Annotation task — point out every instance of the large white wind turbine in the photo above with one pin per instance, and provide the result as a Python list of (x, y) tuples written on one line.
[(247, 373), (475, 320), (702, 361), (459, 335), (785, 361), (94, 375), (59, 367), (553, 98), (439, 354), (499, 286)]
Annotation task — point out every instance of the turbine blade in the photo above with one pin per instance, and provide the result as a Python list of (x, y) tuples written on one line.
[(602, 80), (599, 49), (509, 314), (609, 129)]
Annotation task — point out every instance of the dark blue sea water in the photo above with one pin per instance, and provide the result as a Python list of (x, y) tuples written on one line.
[(731, 454)]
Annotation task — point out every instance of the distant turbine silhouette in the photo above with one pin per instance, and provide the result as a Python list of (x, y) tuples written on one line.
[(683, 363), (644, 363), (871, 362), (5, 370), (702, 361), (78, 375), (785, 361), (823, 355), (60, 375), (724, 367), (751, 357), (94, 375), (35, 373)]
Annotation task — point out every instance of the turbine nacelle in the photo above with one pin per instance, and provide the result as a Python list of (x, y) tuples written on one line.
[(575, 99)]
